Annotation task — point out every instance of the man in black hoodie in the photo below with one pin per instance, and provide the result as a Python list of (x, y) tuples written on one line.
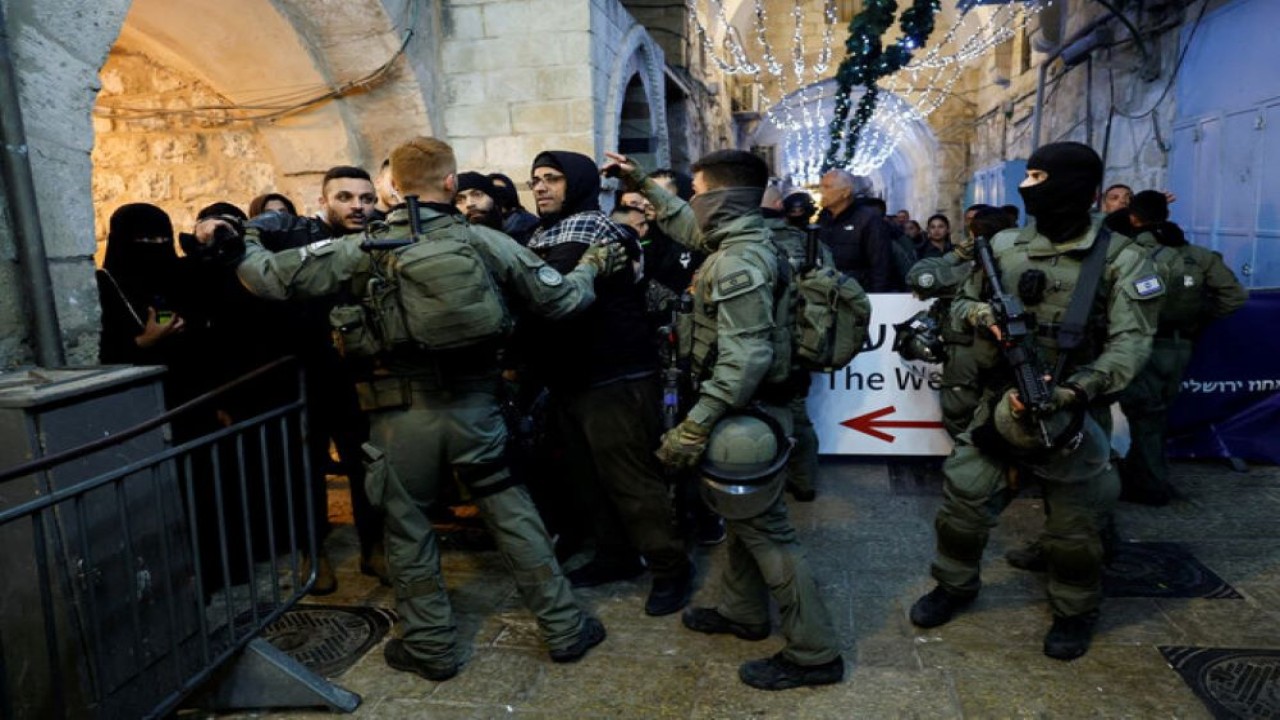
[(602, 370)]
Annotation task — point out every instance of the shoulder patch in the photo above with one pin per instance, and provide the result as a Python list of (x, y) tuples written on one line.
[(926, 280), (314, 248), (734, 281), (1148, 286), (549, 276)]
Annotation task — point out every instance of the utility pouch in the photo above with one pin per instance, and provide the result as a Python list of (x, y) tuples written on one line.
[(353, 334), (376, 472), (385, 311), (391, 393)]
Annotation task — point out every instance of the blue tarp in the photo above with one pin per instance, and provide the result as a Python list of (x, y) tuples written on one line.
[(1229, 405)]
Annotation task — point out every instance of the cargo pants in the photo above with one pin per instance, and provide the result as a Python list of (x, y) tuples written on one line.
[(413, 452)]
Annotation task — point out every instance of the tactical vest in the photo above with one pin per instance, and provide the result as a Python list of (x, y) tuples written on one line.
[(1049, 306), (698, 331), (435, 294)]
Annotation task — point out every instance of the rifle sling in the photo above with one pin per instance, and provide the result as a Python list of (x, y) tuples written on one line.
[(1071, 332)]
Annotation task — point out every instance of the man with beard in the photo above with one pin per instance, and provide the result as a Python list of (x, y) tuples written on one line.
[(475, 199), (1089, 348), (602, 371), (347, 204)]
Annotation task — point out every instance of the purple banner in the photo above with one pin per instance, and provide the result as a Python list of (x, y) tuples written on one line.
[(1229, 405)]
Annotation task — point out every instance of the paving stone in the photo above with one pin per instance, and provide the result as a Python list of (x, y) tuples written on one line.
[(870, 550)]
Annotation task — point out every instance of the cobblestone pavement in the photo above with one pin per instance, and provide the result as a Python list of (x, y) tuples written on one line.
[(869, 538)]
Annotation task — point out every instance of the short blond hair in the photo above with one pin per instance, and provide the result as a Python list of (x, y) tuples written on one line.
[(423, 163)]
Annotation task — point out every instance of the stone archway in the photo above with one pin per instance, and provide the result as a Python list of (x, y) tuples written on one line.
[(635, 110), (215, 102), (908, 177)]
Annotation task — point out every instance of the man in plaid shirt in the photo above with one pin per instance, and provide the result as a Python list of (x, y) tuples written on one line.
[(602, 370)]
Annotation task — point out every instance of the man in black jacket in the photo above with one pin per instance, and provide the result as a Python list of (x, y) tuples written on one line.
[(602, 370), (854, 228)]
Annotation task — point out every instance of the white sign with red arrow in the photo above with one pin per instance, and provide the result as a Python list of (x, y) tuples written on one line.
[(880, 404)]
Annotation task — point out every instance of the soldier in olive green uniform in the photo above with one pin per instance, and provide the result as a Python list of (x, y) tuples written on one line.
[(1201, 289), (740, 354), (1043, 264), (969, 357), (802, 468), (435, 415)]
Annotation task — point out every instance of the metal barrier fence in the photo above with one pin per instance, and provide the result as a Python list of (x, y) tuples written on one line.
[(136, 568)]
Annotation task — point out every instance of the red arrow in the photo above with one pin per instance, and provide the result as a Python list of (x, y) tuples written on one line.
[(869, 422)]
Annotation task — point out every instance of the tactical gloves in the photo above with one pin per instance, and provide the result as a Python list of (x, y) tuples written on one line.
[(981, 315), (1068, 396), (964, 249), (607, 259), (682, 446)]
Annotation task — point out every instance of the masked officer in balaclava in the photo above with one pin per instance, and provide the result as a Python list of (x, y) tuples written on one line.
[(1043, 265)]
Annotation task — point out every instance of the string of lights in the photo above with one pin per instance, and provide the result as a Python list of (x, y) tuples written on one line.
[(913, 77)]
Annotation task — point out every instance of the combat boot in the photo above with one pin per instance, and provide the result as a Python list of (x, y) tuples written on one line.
[(591, 635), (1070, 636), (711, 622), (1029, 557), (779, 673), (669, 595), (398, 657), (937, 607)]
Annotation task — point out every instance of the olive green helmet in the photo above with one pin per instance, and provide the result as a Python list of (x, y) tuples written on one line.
[(1071, 432), (742, 466)]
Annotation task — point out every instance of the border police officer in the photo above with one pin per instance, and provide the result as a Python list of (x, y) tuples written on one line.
[(1045, 263)]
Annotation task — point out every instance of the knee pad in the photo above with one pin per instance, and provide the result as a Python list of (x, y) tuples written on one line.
[(960, 539)]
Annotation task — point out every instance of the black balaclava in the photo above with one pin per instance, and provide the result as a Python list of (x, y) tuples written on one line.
[(507, 196), (582, 192), (143, 270), (1061, 203)]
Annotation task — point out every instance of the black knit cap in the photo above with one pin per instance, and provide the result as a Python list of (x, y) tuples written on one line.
[(476, 181)]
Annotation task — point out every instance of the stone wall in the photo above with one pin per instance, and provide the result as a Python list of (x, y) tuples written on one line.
[(58, 47), (1079, 101), (178, 162), (517, 81)]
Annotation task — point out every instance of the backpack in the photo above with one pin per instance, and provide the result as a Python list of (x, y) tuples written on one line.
[(829, 314), (1183, 274), (435, 293)]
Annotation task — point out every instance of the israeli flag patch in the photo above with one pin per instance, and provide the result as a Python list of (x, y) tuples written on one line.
[(1148, 286)]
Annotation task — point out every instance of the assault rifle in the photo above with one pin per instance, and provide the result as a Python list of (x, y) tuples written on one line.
[(1017, 343), (673, 373), (811, 247), (415, 229)]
